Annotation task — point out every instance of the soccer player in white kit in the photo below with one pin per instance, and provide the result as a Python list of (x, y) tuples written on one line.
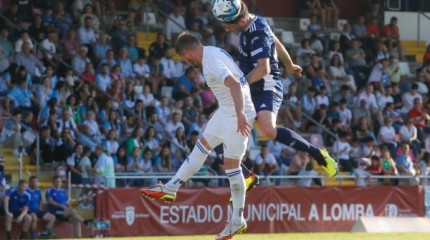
[(231, 124)]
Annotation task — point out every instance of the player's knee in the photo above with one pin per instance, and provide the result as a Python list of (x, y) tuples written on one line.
[(27, 219), (268, 132)]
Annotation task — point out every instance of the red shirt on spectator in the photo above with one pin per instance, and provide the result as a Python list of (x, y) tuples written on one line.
[(417, 115), (426, 58), (374, 169), (391, 31), (89, 77), (374, 29)]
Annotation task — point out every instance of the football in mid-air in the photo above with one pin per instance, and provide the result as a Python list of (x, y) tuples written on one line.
[(226, 10)]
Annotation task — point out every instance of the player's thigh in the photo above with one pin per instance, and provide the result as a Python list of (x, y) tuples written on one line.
[(213, 131), (234, 142)]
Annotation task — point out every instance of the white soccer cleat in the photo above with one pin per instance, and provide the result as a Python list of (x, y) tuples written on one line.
[(230, 230)]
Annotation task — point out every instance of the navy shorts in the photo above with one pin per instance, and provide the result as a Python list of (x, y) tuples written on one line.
[(39, 213), (16, 214), (59, 215), (267, 100)]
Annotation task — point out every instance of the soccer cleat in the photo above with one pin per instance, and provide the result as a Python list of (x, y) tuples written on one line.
[(230, 230), (159, 192), (251, 181), (327, 163)]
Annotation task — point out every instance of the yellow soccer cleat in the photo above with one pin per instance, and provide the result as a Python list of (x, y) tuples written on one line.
[(327, 164)]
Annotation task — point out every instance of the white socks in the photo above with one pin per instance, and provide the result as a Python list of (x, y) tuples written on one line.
[(237, 188), (191, 165)]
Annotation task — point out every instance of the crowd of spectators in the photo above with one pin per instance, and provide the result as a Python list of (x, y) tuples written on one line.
[(104, 106)]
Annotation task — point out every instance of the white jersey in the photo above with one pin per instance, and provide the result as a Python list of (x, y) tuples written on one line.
[(217, 66)]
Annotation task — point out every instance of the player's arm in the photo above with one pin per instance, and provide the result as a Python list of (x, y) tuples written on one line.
[(261, 69), (286, 58), (6, 206), (52, 202), (236, 92)]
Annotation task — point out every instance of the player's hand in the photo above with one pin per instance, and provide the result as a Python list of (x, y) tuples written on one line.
[(243, 126), (296, 70)]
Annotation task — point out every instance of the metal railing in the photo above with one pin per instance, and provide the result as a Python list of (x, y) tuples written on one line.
[(9, 117)]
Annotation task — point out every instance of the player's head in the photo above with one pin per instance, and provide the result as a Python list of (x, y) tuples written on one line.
[(189, 49), (56, 180), (22, 185), (239, 23), (32, 182)]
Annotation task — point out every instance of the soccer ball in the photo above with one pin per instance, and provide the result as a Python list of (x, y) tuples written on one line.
[(226, 10)]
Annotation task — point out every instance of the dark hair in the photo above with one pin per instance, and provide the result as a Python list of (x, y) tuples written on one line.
[(186, 40), (22, 181), (31, 178), (56, 178)]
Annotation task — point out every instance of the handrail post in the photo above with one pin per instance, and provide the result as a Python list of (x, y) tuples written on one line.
[(37, 156), (418, 27), (146, 17)]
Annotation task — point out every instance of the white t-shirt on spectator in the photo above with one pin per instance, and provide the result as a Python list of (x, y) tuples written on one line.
[(340, 146), (388, 133), (71, 160), (103, 81), (49, 47), (407, 133), (169, 67), (269, 159), (345, 116), (142, 70), (322, 100), (86, 36), (369, 98), (408, 100), (383, 100), (172, 127), (147, 100)]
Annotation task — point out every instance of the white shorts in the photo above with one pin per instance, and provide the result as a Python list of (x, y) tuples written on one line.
[(221, 128)]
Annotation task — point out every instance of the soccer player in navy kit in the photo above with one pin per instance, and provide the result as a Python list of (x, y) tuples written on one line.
[(35, 209), (259, 62), (58, 205), (16, 205)]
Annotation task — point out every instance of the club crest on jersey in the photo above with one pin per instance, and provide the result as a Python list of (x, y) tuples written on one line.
[(242, 81)]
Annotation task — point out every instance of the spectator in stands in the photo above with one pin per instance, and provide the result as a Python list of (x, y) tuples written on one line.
[(173, 125), (175, 24), (356, 58), (5, 43), (111, 143), (80, 60), (422, 85), (426, 57), (408, 98), (150, 140), (73, 164), (404, 163), (419, 116), (104, 168), (308, 101), (135, 140), (120, 36), (387, 136), (387, 163), (16, 207), (101, 47), (36, 212), (346, 38), (133, 51), (141, 69), (158, 47), (63, 20), (408, 134), (87, 34), (22, 98), (337, 73), (298, 163), (179, 142), (88, 74), (70, 45), (147, 167), (184, 85), (361, 175), (37, 30), (88, 12), (359, 28), (25, 38), (11, 134), (103, 79), (58, 205), (320, 116), (266, 164), (163, 160), (392, 34), (109, 59), (198, 126), (375, 12), (331, 13), (305, 52), (375, 166), (169, 68), (125, 64), (157, 78), (426, 71), (135, 165), (46, 146), (163, 110), (64, 146), (378, 76), (25, 58), (316, 8)]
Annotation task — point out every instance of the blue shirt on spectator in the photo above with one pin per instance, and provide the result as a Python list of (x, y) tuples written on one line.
[(126, 67), (21, 97), (119, 38), (17, 201), (100, 50), (36, 197), (58, 195), (405, 161), (183, 81)]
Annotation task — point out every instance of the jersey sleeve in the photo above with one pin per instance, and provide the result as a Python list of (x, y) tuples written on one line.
[(261, 45), (218, 69), (49, 194)]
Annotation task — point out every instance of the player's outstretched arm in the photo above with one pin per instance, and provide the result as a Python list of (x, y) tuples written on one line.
[(236, 92), (286, 58), (260, 70)]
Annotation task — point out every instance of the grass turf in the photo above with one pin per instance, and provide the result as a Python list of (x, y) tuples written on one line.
[(301, 236)]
